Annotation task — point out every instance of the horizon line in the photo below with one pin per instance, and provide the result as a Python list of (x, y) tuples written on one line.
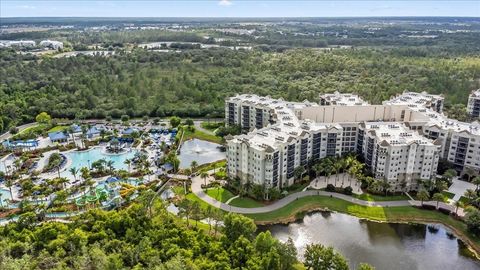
[(248, 17)]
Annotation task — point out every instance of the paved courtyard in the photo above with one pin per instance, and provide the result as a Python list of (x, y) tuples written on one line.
[(459, 187), (343, 180)]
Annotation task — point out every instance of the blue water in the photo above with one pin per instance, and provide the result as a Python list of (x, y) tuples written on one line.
[(86, 158), (5, 195)]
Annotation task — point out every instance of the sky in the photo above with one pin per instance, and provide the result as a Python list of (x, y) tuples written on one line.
[(238, 8)]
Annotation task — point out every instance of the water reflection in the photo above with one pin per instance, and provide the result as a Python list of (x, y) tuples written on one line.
[(383, 245)]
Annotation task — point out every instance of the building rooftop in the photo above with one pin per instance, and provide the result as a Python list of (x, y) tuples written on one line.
[(343, 99), (414, 99), (395, 134), (475, 93), (57, 136)]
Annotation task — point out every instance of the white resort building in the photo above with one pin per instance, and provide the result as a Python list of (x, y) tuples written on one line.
[(401, 140), (52, 44), (473, 106)]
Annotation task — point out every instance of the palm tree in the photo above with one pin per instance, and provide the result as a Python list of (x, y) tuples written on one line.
[(449, 174), (186, 210), (74, 171), (85, 172), (337, 166), (423, 195), (204, 176), (318, 169), (194, 165), (110, 165), (385, 186), (9, 184), (128, 162), (471, 194), (458, 204), (298, 172), (438, 197), (469, 171), (476, 182)]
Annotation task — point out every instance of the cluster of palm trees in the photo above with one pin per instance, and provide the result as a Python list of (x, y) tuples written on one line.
[(192, 209), (103, 166), (336, 165)]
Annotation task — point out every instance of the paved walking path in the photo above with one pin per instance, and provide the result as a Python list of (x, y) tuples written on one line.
[(197, 190), (231, 199)]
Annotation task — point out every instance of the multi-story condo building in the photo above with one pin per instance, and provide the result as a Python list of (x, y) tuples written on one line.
[(401, 141), (421, 100), (341, 99), (473, 106), (397, 154)]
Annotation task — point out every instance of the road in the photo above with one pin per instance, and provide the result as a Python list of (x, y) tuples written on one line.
[(197, 190), (7, 135)]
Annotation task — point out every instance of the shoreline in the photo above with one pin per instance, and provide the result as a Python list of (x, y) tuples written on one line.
[(295, 217)]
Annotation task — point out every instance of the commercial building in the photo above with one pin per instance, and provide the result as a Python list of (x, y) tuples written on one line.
[(401, 140), (473, 105)]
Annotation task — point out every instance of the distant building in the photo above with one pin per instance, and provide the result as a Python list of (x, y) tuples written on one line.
[(52, 44), (17, 43), (473, 106)]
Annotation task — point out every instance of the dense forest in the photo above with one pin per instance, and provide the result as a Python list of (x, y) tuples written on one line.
[(145, 236), (195, 82)]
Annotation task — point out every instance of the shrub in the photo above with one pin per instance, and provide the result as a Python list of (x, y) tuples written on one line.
[(348, 190), (444, 210), (330, 188), (13, 130), (125, 118), (429, 207)]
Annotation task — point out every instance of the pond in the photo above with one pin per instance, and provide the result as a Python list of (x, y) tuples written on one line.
[(201, 151), (383, 245), (81, 159)]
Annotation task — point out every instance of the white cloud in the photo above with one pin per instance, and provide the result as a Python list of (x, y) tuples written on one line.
[(225, 3)]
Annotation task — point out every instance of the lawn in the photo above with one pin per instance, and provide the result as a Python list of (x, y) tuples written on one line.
[(198, 134), (31, 132), (209, 166), (391, 214), (220, 194), (246, 202), (192, 197), (57, 128), (448, 195), (380, 198)]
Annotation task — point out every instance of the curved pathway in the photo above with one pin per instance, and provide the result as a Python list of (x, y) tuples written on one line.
[(197, 190)]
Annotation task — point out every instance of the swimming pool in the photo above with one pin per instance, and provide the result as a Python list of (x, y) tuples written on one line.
[(81, 159), (5, 195)]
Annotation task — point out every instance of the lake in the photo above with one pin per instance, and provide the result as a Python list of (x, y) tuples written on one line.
[(201, 151), (387, 246)]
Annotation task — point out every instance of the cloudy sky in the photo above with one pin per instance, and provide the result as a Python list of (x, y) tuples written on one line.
[(237, 8)]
